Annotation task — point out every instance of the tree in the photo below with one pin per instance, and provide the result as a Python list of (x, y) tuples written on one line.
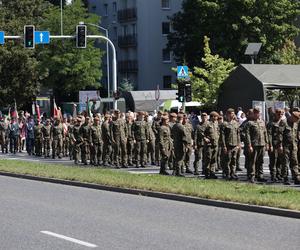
[(20, 72), (206, 80), (231, 25), (288, 54), (70, 69)]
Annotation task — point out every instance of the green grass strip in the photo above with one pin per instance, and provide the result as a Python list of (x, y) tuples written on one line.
[(272, 196)]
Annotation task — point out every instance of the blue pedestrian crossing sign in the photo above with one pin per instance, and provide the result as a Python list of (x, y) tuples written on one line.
[(182, 72), (42, 37), (1, 37)]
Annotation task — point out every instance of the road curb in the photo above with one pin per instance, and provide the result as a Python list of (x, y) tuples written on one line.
[(168, 196)]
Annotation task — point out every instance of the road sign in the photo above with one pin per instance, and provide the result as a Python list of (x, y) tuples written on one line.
[(42, 37), (1, 37), (182, 72)]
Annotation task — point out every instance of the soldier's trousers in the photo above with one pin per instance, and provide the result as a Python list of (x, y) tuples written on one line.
[(198, 152), (187, 156), (56, 147), (71, 150), (13, 144), (29, 145), (290, 160), (165, 155), (47, 145), (76, 152), (130, 151), (276, 162), (238, 156), (96, 153), (66, 145), (151, 151), (256, 161), (107, 150), (38, 146), (247, 158), (85, 152), (3, 143), (210, 159), (179, 158), (157, 151), (230, 161), (140, 152), (120, 154)]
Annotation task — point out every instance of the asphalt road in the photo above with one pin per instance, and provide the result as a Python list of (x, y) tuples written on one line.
[(36, 215)]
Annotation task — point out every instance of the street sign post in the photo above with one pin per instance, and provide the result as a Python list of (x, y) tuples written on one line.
[(42, 37), (1, 37)]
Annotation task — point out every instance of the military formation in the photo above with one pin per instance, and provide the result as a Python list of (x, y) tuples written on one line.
[(168, 140)]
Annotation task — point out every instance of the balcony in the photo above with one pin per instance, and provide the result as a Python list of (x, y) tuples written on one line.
[(127, 15), (128, 66), (127, 41)]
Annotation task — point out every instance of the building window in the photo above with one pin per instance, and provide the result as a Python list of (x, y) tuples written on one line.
[(133, 26), (165, 28), (106, 9), (125, 30), (115, 7), (165, 4), (167, 82), (166, 55)]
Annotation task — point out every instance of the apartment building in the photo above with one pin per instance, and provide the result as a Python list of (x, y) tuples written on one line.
[(139, 30)]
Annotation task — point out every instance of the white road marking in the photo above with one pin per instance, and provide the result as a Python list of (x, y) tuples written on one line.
[(83, 243)]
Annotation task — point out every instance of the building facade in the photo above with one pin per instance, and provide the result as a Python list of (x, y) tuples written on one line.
[(139, 30)]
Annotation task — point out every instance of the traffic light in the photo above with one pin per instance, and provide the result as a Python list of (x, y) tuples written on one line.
[(81, 36), (188, 92), (180, 92), (29, 36)]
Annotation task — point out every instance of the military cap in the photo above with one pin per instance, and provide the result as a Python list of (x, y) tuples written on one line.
[(159, 112), (165, 113), (117, 111), (230, 110), (204, 114), (173, 114), (296, 114), (256, 110), (296, 109), (107, 116), (146, 114), (214, 113)]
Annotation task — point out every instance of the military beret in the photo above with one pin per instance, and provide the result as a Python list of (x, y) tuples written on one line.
[(214, 113), (296, 114), (173, 115)]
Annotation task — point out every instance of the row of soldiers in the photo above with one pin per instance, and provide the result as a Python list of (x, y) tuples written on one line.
[(169, 142)]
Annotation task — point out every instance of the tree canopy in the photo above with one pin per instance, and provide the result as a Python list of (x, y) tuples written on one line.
[(231, 25)]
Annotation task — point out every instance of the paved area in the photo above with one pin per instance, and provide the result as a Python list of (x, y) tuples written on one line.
[(148, 170), (37, 215)]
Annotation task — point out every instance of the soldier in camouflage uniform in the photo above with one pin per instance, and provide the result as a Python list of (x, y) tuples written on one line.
[(155, 127), (140, 133), (96, 142), (38, 138), (66, 139), (130, 139), (172, 122), (118, 137), (165, 144), (180, 144), (76, 139), (290, 147), (211, 138), (3, 133), (199, 143), (189, 145), (230, 144), (14, 133), (57, 137), (107, 142), (84, 132), (46, 130), (257, 141), (275, 129), (71, 142), (151, 144)]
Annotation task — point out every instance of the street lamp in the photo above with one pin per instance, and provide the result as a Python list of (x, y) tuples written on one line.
[(107, 57)]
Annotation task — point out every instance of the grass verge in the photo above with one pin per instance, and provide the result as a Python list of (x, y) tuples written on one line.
[(271, 196)]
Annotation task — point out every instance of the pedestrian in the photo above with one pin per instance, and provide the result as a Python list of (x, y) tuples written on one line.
[(165, 144)]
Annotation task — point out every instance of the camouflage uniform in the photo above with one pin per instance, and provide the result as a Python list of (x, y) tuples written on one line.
[(76, 139), (106, 137), (14, 134), (85, 135), (151, 145), (96, 147), (3, 136), (71, 142), (38, 139), (57, 137), (189, 146), (155, 127), (130, 143), (165, 145), (46, 130)]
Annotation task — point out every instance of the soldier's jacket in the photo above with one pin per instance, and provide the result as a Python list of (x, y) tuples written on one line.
[(117, 129), (199, 134), (275, 132), (84, 132), (96, 134), (151, 134), (70, 131), (130, 135), (46, 130), (38, 134), (14, 130), (30, 130), (212, 132), (243, 129), (57, 131), (230, 133), (75, 135), (165, 140), (188, 132), (256, 133), (179, 133), (3, 128), (156, 126), (290, 134), (106, 136), (140, 130)]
